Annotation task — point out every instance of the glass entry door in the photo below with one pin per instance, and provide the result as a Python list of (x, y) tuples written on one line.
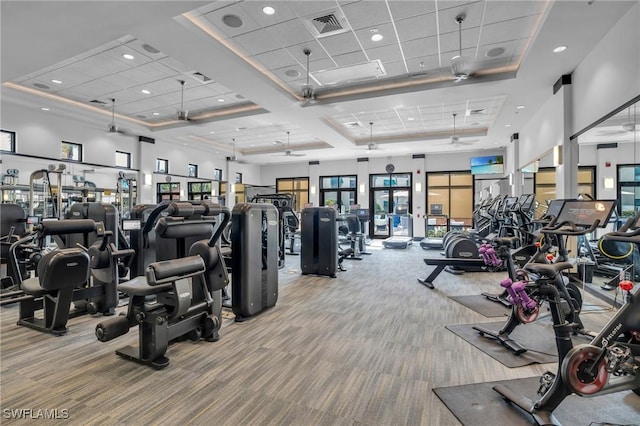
[(390, 200)]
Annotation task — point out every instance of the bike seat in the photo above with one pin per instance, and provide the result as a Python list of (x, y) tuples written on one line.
[(505, 241), (547, 269)]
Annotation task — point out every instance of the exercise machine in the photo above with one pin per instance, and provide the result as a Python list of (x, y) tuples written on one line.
[(179, 297), (319, 241), (609, 363), (529, 292)]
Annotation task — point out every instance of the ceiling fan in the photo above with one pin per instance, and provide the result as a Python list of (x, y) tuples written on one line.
[(289, 152), (308, 93), (454, 139), (233, 158), (112, 128), (460, 65), (371, 146), (182, 114)]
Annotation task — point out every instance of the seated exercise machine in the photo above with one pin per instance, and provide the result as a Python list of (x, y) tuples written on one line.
[(66, 275), (609, 363), (530, 291), (177, 297), (13, 226)]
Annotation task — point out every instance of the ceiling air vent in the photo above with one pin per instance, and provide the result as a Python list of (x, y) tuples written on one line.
[(475, 111), (329, 23), (199, 77), (350, 73), (98, 102), (353, 125)]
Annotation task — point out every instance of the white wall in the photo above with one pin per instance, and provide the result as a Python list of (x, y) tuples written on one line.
[(39, 133), (609, 75), (542, 132)]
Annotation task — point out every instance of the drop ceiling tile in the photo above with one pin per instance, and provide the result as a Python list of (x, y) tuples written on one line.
[(138, 58), (340, 43), (147, 72), (216, 18), (276, 59), (407, 9), (256, 42), (306, 8), (281, 73), (99, 66), (289, 33), (216, 5), (321, 65), (254, 9), (394, 68), (417, 27), (390, 53), (387, 31), (139, 46), (508, 46), (91, 90), (507, 30), (352, 58), (423, 63), (420, 48), (447, 17), (366, 13), (297, 51), (506, 10), (451, 41), (69, 77), (174, 64)]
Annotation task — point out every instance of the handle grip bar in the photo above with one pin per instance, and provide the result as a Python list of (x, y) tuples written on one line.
[(568, 227)]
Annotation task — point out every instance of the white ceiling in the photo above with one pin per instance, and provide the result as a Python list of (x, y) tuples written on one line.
[(255, 72)]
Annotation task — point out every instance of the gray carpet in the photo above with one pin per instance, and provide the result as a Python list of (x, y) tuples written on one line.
[(478, 405), (482, 305), (538, 339)]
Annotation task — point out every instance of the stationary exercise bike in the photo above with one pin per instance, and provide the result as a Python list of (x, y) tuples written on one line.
[(609, 363), (530, 291)]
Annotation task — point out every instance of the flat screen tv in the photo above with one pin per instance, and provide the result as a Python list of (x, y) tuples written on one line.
[(491, 164)]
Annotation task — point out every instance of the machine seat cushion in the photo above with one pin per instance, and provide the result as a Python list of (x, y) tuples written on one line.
[(139, 287), (505, 241), (547, 269), (31, 286)]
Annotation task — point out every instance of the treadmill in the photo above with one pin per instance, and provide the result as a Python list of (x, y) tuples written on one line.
[(402, 217), (435, 215)]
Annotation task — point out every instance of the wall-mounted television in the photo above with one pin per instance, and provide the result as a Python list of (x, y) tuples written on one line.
[(531, 168), (490, 164)]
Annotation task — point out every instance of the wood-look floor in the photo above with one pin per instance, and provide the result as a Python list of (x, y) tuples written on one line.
[(365, 348)]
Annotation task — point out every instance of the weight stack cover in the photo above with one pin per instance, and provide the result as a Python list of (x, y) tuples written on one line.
[(254, 259), (319, 241)]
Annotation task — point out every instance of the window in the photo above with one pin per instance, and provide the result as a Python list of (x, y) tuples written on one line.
[(8, 141), (449, 202), (162, 166), (168, 191), (199, 190), (123, 159), (192, 170), (238, 177), (217, 174), (299, 187), (628, 189), (71, 151), (338, 192)]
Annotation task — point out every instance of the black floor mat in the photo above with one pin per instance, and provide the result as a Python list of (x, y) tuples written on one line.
[(538, 339), (479, 405), (482, 305)]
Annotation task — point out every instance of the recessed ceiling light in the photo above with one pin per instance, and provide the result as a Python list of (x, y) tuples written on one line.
[(56, 81), (559, 49), (45, 109), (410, 118), (377, 37), (211, 132), (146, 92), (155, 113), (268, 10), (128, 56), (220, 100), (520, 107), (507, 125)]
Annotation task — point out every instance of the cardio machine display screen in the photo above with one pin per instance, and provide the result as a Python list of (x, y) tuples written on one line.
[(585, 213)]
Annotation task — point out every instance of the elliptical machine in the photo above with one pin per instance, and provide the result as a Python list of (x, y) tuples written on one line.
[(609, 363)]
